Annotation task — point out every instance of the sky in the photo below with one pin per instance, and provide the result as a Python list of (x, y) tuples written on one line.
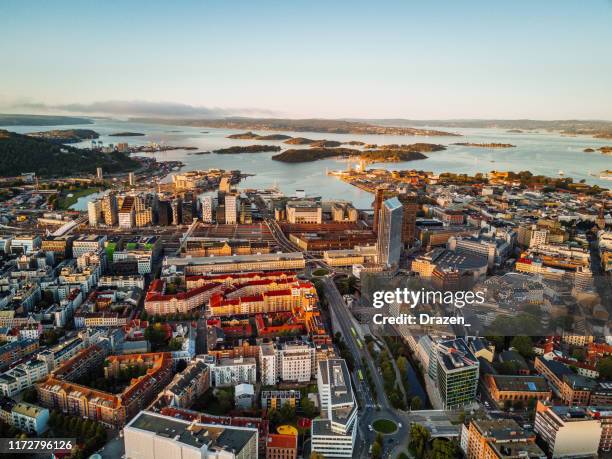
[(545, 59)]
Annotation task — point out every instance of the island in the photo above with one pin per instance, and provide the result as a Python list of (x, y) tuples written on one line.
[(386, 153), (313, 154), (325, 144), (126, 134), (485, 145), (65, 135), (354, 142), (47, 158), (246, 149), (515, 131), (299, 141), (605, 150), (273, 137), (244, 136), (199, 153), (588, 150)]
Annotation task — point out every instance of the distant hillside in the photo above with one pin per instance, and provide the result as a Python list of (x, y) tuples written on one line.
[(40, 120), (596, 128), (305, 125), (21, 153)]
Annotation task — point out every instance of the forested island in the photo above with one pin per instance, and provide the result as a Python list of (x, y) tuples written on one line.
[(325, 144), (23, 153), (252, 136), (485, 145), (41, 120), (379, 155), (126, 134), (299, 141), (303, 125), (65, 135), (247, 149), (606, 150)]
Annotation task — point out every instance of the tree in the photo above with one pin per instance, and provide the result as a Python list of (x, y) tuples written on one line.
[(402, 365), (497, 340), (523, 345), (175, 344), (416, 403), (309, 408), (604, 367), (30, 395), (376, 450), (579, 354), (443, 449), (419, 436)]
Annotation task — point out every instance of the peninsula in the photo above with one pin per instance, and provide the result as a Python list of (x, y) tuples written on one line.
[(65, 135), (48, 158)]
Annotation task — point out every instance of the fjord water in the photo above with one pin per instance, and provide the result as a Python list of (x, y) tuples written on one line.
[(540, 152)]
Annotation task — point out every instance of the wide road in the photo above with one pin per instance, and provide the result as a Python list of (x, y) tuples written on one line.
[(369, 412)]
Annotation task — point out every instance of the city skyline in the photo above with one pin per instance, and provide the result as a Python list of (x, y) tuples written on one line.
[(391, 60)]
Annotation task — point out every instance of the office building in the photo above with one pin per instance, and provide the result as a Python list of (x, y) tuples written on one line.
[(410, 208), (296, 361), (127, 213), (333, 433), (568, 431), (500, 438), (456, 373), (110, 209), (164, 213), (259, 262), (231, 208), (230, 372), (513, 388), (378, 201), (304, 212), (94, 212), (87, 243), (207, 208), (154, 436), (390, 233)]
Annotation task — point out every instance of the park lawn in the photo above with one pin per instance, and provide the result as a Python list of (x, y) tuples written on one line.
[(64, 201), (384, 426)]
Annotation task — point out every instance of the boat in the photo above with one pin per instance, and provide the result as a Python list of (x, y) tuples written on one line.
[(561, 172), (606, 175)]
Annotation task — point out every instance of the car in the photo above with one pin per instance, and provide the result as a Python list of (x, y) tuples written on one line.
[(399, 425), (370, 427)]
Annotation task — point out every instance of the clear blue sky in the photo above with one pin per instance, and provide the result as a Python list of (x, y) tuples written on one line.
[(549, 59)]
